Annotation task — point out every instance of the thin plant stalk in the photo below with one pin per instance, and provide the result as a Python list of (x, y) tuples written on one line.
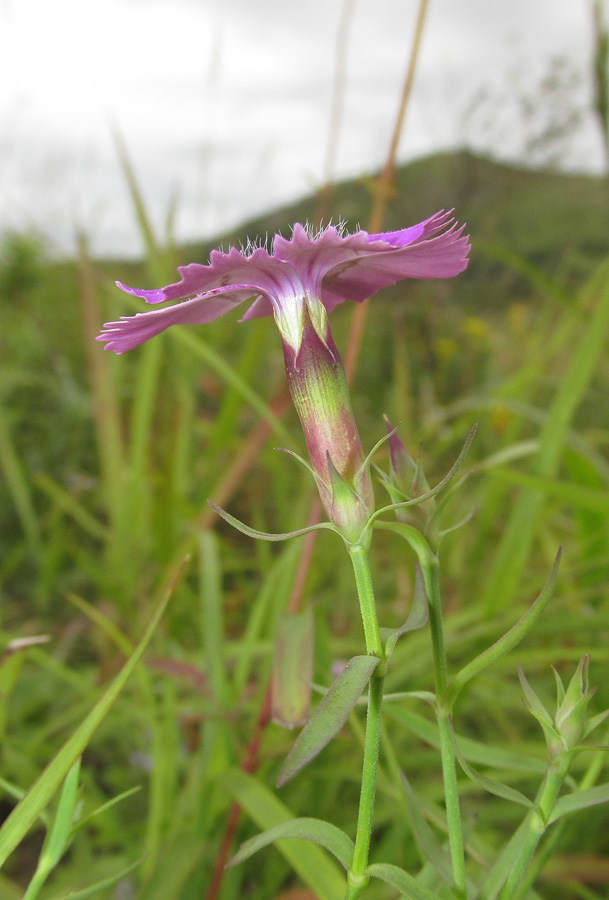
[(536, 827), (431, 574), (363, 580)]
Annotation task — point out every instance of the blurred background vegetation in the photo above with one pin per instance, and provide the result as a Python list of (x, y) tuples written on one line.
[(107, 465)]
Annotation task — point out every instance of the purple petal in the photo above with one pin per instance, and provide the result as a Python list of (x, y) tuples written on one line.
[(442, 256), (131, 331), (224, 269)]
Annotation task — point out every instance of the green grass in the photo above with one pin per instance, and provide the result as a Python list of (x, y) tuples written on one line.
[(107, 465)]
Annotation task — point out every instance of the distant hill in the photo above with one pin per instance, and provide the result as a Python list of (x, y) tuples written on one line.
[(557, 222)]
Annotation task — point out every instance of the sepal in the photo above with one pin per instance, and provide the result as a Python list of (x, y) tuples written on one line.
[(347, 508), (264, 535)]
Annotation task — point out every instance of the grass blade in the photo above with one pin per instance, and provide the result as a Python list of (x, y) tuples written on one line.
[(25, 813)]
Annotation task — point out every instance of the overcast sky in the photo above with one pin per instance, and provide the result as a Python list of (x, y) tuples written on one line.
[(226, 105)]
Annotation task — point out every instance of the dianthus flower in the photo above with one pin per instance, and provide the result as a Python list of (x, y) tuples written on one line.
[(302, 280)]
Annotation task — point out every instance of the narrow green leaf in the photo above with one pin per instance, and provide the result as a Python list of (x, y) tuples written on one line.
[(579, 800), (211, 615), (71, 507), (16, 826), (100, 885), (323, 833), (489, 784), (264, 535), (401, 881), (506, 643), (330, 715), (293, 668), (504, 863), (313, 866), (428, 843), (62, 823), (472, 750), (107, 805), (17, 482), (427, 696), (522, 525), (594, 722), (532, 700), (417, 617)]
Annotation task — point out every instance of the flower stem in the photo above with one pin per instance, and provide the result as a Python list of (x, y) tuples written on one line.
[(361, 568), (365, 593), (431, 575), (536, 826)]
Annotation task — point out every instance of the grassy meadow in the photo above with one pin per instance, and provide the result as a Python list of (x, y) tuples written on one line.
[(107, 465)]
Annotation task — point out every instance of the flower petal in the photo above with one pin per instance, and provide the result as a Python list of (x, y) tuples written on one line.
[(442, 256), (224, 270), (131, 331)]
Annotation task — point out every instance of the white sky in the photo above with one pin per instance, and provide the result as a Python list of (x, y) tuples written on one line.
[(228, 103)]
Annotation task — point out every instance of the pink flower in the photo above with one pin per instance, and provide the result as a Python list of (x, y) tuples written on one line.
[(302, 280), (301, 270)]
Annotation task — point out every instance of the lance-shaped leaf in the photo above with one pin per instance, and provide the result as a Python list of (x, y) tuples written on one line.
[(400, 880), (320, 873), (506, 643), (417, 617), (428, 843), (58, 837), (293, 669), (489, 784), (330, 715), (265, 535), (316, 830), (580, 800)]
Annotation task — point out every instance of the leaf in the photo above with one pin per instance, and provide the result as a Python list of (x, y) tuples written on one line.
[(533, 702), (401, 881), (579, 800), (293, 668), (101, 885), (107, 805), (505, 862), (506, 643), (62, 823), (323, 833), (417, 617), (427, 696), (489, 784), (427, 841), (472, 750), (594, 722), (317, 871), (264, 535), (522, 525), (16, 826), (330, 715)]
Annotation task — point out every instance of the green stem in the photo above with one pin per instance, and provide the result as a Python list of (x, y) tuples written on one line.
[(536, 826), (371, 755), (431, 575), (357, 879), (589, 779), (365, 593)]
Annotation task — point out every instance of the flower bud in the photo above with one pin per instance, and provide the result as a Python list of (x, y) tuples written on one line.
[(570, 718)]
